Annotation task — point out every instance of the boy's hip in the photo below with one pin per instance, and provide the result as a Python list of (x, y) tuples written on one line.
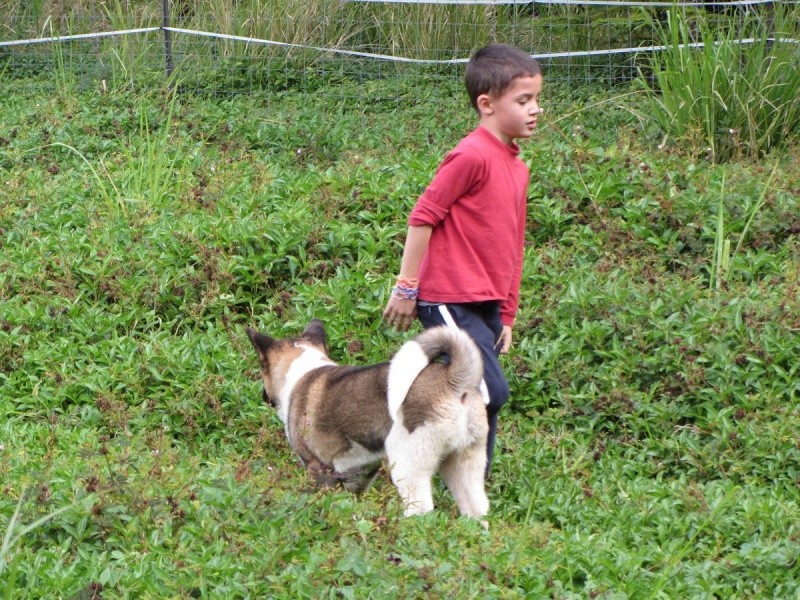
[(473, 317)]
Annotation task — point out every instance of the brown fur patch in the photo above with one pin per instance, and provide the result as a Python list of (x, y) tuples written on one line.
[(275, 365), (420, 406), (339, 407)]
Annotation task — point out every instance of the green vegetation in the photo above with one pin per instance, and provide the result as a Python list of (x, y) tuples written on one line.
[(427, 31), (651, 446), (729, 98), (297, 29)]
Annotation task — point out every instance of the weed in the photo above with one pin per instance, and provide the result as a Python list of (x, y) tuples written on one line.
[(650, 446), (736, 94)]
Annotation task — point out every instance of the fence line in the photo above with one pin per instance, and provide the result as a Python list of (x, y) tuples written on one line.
[(554, 33), (676, 4), (79, 36), (371, 55)]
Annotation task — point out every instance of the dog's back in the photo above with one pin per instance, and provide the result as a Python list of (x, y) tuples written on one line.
[(358, 405)]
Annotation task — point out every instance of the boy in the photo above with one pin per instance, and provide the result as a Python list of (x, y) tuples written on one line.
[(462, 261)]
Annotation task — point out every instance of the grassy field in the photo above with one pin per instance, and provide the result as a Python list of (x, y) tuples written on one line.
[(651, 448), (423, 30)]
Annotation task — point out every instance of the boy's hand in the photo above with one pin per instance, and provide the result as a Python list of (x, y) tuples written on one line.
[(400, 313), (504, 341)]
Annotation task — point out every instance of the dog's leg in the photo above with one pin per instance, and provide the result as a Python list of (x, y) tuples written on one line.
[(462, 472), (412, 464), (358, 479), (415, 490), (322, 475)]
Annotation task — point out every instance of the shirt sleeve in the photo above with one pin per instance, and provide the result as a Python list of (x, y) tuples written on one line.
[(459, 174), (508, 309)]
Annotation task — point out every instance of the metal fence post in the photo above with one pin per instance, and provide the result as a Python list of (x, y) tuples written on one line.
[(167, 37)]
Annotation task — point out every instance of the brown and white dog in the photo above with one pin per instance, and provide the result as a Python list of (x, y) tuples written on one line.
[(421, 414)]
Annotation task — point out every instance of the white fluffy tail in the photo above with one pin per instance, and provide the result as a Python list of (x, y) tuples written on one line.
[(464, 371)]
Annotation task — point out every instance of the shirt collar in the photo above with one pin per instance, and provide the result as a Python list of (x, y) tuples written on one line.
[(512, 148)]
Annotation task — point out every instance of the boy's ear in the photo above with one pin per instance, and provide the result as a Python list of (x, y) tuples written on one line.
[(484, 104)]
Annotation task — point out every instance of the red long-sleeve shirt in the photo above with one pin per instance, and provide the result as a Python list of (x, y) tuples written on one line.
[(476, 205)]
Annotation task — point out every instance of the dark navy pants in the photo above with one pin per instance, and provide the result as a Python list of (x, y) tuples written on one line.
[(481, 320)]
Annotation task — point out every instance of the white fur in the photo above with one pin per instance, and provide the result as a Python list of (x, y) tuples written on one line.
[(451, 323), (415, 457), (448, 443), (357, 456), (311, 358), (409, 361)]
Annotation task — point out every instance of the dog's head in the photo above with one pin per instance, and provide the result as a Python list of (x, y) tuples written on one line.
[(276, 357)]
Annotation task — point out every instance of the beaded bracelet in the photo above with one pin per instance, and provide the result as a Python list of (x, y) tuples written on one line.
[(406, 288), (409, 283), (404, 294)]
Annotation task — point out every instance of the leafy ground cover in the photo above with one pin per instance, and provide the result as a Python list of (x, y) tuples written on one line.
[(651, 445)]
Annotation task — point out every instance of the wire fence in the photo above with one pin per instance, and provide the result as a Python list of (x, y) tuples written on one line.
[(334, 46)]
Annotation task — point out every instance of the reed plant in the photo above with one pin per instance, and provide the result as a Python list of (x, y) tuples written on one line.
[(430, 32), (61, 74), (152, 173), (727, 90), (131, 54), (288, 23)]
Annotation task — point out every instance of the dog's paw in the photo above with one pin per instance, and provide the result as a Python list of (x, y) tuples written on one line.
[(323, 476)]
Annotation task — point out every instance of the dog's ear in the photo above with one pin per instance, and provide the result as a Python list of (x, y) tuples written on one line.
[(260, 342), (315, 331)]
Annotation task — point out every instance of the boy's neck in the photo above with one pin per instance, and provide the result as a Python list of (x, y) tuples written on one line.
[(486, 124)]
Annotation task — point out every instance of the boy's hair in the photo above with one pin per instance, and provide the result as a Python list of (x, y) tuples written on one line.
[(492, 69)]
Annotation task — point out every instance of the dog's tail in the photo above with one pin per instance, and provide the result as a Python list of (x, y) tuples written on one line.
[(464, 369)]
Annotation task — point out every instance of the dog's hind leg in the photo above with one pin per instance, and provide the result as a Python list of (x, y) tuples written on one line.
[(412, 466), (415, 489), (322, 475), (462, 472)]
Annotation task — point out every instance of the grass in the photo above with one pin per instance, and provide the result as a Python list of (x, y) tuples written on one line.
[(728, 98), (300, 28), (423, 31), (649, 450)]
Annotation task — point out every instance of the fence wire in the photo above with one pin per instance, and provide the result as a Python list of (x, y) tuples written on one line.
[(330, 46)]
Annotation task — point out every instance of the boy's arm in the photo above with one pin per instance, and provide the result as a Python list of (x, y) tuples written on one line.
[(399, 312), (508, 309), (504, 342)]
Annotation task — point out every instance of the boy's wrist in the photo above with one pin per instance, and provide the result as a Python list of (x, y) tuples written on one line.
[(406, 288)]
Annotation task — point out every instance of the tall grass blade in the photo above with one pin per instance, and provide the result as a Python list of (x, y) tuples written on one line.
[(719, 240), (10, 538), (737, 94), (756, 208), (100, 182)]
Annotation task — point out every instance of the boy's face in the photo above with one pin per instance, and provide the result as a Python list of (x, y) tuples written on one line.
[(514, 113)]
